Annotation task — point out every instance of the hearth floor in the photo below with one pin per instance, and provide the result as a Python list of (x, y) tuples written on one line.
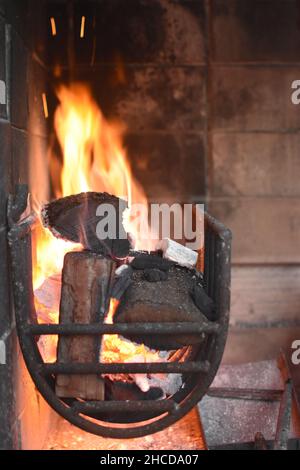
[(186, 434)]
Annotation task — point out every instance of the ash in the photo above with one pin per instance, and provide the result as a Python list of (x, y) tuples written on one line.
[(169, 385)]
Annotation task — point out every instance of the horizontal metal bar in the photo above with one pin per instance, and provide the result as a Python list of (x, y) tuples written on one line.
[(123, 328), (125, 368), (245, 393), (124, 406)]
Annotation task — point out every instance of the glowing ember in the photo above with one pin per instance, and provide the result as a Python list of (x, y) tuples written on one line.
[(117, 349)]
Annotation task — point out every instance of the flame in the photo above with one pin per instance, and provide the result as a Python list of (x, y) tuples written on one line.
[(94, 156), (94, 159), (115, 348)]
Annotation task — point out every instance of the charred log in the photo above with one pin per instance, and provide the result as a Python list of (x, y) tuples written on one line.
[(86, 284), (76, 218), (166, 301)]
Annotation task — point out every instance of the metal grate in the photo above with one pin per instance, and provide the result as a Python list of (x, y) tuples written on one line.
[(142, 417)]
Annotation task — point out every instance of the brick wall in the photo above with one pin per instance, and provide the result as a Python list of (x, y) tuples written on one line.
[(204, 87), (146, 64), (253, 153), (254, 127)]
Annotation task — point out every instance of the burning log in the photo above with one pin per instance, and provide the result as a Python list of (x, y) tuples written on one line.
[(164, 301), (86, 284), (76, 218)]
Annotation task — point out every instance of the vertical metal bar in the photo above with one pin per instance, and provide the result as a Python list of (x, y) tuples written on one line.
[(212, 262), (284, 418), (8, 51), (207, 256)]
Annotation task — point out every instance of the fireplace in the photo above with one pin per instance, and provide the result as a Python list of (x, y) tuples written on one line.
[(146, 415), (68, 47), (178, 103)]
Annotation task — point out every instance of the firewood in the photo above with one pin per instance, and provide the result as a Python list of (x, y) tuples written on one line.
[(75, 218), (165, 301), (86, 285)]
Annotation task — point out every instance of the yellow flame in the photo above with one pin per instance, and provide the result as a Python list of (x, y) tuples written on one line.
[(115, 348), (94, 159)]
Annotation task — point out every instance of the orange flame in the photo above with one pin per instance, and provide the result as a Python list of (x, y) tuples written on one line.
[(94, 159)]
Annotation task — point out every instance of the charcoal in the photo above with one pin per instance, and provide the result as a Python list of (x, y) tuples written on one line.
[(122, 281), (155, 275), (130, 391), (199, 277), (204, 302), (136, 254), (167, 301), (74, 218), (151, 262)]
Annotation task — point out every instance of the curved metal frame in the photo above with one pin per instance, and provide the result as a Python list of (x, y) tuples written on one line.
[(198, 374)]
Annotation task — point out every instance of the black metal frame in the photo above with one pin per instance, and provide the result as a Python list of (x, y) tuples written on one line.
[(145, 417)]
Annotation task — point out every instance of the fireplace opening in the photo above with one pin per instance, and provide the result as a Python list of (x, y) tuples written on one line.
[(121, 326), (128, 378), (132, 134)]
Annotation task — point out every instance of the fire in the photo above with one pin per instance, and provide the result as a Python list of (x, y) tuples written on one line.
[(117, 349), (49, 256), (94, 159)]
